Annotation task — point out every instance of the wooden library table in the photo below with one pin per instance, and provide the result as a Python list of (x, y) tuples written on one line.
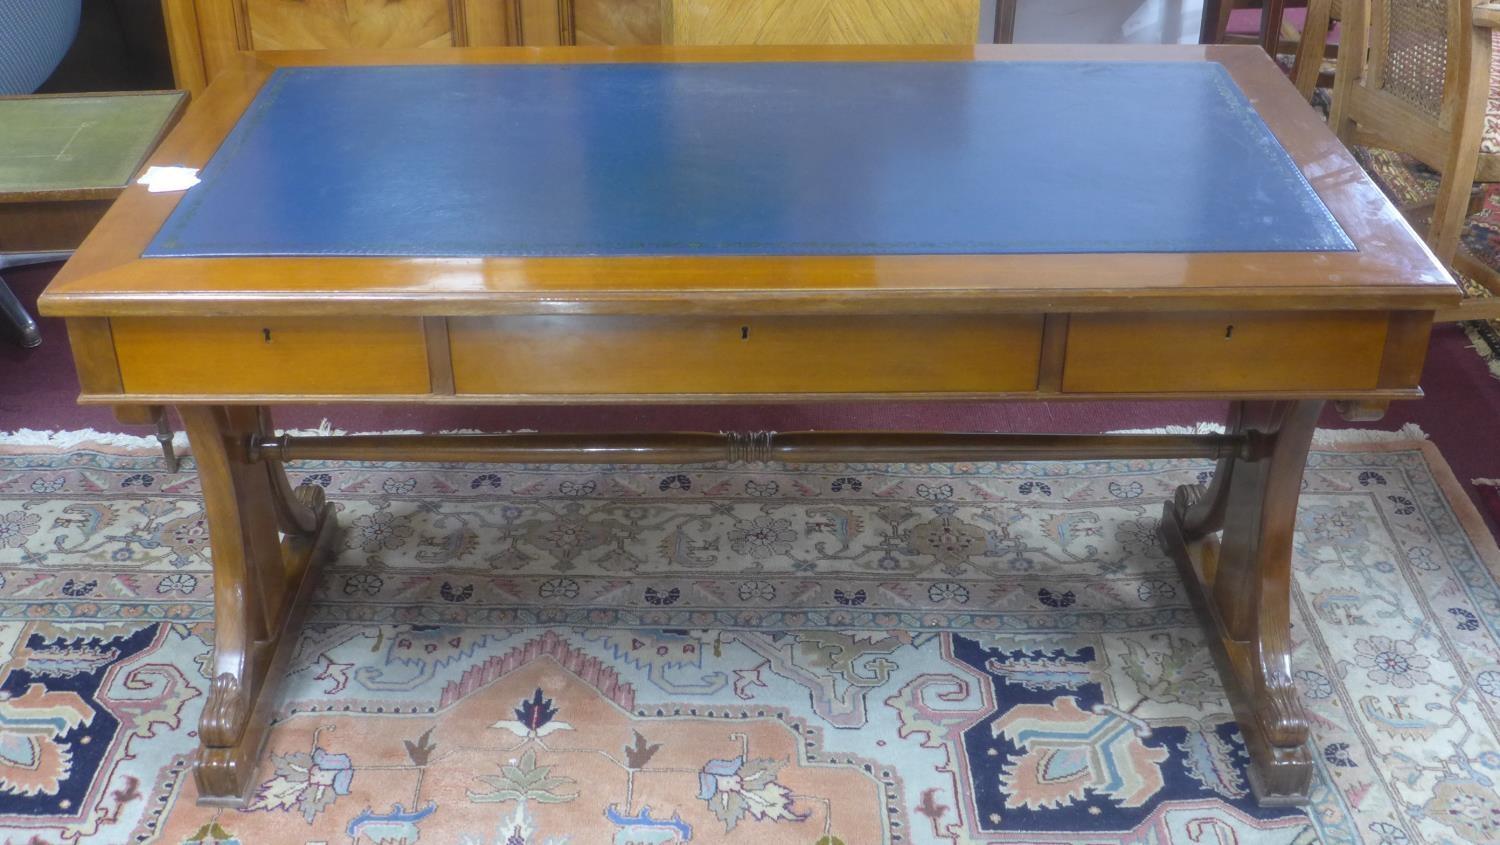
[(580, 225)]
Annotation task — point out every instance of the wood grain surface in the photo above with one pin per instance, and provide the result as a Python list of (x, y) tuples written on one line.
[(272, 355), (823, 22), (781, 354)]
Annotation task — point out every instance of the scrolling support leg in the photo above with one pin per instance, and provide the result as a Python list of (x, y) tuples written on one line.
[(266, 539), (1241, 585)]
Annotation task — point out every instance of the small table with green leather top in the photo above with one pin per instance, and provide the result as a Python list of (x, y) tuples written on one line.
[(63, 160)]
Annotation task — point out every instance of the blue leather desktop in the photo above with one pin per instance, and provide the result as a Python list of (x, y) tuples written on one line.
[(750, 159)]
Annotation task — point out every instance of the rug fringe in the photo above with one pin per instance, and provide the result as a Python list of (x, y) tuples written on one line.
[(65, 439), (1482, 347), (78, 438), (1323, 437), (1343, 436), (1196, 428)]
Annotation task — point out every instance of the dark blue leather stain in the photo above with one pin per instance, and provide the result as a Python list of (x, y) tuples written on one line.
[(750, 159)]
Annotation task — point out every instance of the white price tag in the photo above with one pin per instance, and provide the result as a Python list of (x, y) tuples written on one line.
[(161, 179)]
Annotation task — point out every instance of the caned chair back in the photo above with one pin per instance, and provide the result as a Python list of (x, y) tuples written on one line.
[(1410, 45), (1423, 90), (1412, 91)]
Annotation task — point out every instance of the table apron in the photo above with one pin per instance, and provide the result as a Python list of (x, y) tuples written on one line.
[(517, 359)]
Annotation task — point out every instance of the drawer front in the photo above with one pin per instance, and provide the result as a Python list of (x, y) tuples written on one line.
[(1208, 352), (575, 355), (281, 356)]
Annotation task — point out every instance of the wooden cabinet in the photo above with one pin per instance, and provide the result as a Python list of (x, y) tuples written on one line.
[(204, 35)]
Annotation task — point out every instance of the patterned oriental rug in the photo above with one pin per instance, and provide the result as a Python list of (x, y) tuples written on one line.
[(520, 655)]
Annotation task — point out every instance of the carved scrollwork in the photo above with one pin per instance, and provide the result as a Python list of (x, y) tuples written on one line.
[(752, 447), (1186, 496), (1282, 717), (1280, 713), (1198, 509), (224, 716), (1358, 411), (310, 496)]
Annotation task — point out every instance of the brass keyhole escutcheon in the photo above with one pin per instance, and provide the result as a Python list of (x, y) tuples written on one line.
[(266, 333), (744, 332)]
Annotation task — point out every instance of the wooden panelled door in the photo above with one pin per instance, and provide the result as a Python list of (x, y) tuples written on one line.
[(204, 35)]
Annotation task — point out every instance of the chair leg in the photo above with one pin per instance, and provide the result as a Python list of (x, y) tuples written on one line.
[(22, 323), (1450, 212), (26, 259), (1005, 21), (1474, 307), (164, 436), (1271, 15), (1215, 21), (1350, 70), (10, 308), (1312, 47)]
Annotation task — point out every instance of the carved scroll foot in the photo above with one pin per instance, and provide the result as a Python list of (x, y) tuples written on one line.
[(1240, 584), (236, 718), (1367, 411), (266, 539), (1280, 775)]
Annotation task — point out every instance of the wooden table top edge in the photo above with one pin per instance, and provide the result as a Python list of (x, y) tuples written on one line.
[(750, 303), (77, 95), (107, 273), (748, 53), (535, 399)]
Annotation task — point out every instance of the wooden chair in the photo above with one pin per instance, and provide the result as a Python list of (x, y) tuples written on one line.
[(1312, 45), (1425, 90), (1303, 32), (1273, 27)]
